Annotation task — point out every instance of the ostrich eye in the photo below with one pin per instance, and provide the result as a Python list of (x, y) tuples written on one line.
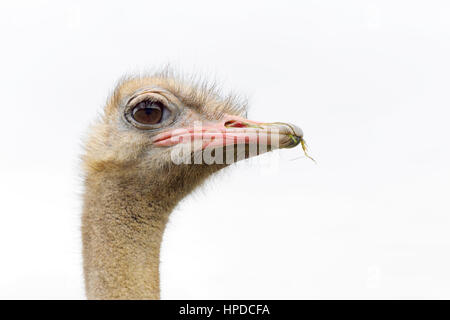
[(148, 112)]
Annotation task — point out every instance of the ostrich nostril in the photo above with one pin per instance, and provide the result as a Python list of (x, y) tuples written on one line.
[(235, 124)]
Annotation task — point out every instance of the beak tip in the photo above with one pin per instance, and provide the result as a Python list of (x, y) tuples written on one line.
[(297, 131)]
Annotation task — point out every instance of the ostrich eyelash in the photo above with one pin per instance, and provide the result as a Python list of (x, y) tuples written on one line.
[(194, 92)]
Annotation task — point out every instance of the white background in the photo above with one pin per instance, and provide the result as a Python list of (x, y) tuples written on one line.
[(368, 81)]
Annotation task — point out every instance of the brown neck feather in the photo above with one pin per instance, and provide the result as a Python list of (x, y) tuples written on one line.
[(124, 218)]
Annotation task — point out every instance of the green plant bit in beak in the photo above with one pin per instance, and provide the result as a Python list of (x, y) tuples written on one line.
[(304, 146), (305, 150)]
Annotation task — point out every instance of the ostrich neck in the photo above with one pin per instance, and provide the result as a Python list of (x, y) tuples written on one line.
[(124, 218)]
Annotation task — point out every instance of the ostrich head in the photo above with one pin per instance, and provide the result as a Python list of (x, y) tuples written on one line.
[(133, 181), (149, 121)]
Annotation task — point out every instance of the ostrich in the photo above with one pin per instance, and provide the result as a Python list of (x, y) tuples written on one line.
[(132, 183)]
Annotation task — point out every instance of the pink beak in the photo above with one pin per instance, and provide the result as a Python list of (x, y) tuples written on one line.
[(233, 130)]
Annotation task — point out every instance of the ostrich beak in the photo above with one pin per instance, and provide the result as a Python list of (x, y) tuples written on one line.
[(233, 130)]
